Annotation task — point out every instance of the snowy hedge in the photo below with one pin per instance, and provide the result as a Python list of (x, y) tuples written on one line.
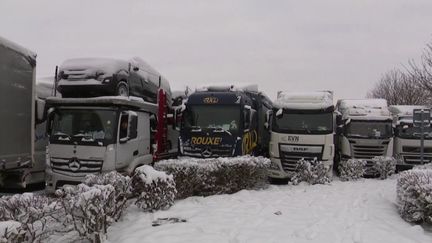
[(312, 172), (414, 195), (204, 177), (28, 217), (351, 169), (11, 231), (385, 166), (155, 190)]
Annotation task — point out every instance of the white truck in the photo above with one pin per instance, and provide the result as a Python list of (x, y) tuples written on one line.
[(302, 126), (364, 131), (96, 135), (406, 148), (22, 130)]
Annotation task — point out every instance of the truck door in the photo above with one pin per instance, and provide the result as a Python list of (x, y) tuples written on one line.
[(128, 142)]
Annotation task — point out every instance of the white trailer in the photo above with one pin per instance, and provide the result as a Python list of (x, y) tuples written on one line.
[(407, 138), (96, 135), (22, 141), (302, 126), (365, 130)]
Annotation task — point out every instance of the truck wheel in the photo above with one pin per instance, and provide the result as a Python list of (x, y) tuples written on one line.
[(122, 89)]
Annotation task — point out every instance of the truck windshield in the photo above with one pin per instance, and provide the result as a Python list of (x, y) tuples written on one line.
[(84, 126), (369, 129), (304, 123), (410, 132), (226, 117)]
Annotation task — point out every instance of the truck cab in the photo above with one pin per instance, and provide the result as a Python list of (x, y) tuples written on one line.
[(96, 135), (365, 130), (406, 148), (224, 121), (302, 126)]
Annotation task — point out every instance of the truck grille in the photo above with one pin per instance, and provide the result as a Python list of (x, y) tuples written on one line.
[(368, 151), (414, 159), (215, 152), (78, 167), (290, 160)]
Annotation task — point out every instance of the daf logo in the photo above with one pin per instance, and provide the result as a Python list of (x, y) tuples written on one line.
[(291, 138), (74, 164), (206, 153)]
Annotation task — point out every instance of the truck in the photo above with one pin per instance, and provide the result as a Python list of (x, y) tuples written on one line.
[(406, 148), (92, 77), (224, 121), (22, 131), (302, 127), (364, 131), (97, 135)]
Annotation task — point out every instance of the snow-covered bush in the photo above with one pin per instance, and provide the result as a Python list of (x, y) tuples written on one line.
[(89, 208), (385, 166), (312, 172), (351, 169), (33, 212), (11, 231), (204, 177), (414, 195), (122, 189), (154, 189)]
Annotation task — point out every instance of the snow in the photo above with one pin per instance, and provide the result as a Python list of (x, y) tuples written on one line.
[(92, 65), (364, 109), (245, 87), (304, 100), (404, 113), (17, 48), (9, 226), (358, 211), (148, 174)]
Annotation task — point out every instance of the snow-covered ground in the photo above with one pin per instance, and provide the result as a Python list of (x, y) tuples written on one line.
[(361, 211)]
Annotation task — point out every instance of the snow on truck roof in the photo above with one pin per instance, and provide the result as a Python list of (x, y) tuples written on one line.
[(404, 113), (304, 100), (364, 109), (229, 87), (5, 43)]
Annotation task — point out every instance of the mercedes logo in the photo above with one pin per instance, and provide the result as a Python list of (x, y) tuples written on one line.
[(74, 164), (206, 153)]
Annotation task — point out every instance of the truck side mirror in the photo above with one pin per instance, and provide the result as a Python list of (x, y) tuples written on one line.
[(247, 117), (40, 111), (128, 126), (50, 116), (268, 117), (176, 118), (339, 119)]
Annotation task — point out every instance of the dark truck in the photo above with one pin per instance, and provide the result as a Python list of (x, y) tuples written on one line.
[(92, 77), (225, 121)]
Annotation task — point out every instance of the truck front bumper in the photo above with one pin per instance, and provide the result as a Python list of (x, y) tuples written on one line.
[(53, 181), (276, 170)]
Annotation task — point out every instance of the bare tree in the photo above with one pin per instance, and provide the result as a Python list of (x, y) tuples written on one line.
[(399, 88), (422, 72)]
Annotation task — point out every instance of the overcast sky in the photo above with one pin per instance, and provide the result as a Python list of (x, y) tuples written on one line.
[(337, 45)]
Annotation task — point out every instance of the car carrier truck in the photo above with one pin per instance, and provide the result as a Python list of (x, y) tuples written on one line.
[(22, 130), (406, 148), (365, 130), (96, 135), (302, 127), (225, 121)]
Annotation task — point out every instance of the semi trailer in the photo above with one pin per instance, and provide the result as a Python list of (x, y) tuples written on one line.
[(22, 130), (225, 121), (406, 148), (302, 127), (365, 131)]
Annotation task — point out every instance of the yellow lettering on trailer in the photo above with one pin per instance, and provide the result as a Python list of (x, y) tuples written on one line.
[(206, 140)]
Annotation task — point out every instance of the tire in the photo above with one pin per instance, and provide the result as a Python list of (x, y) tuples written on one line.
[(122, 89)]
